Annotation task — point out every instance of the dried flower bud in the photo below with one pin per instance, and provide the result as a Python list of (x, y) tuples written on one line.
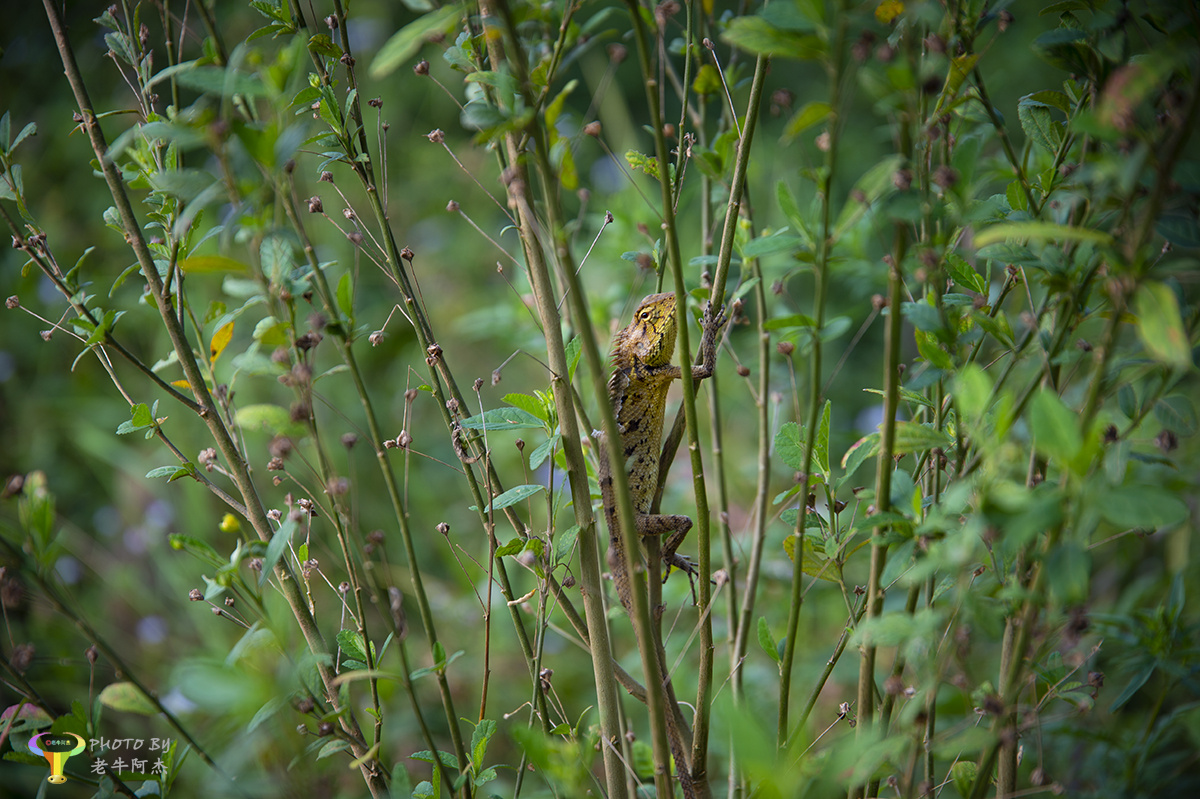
[(274, 514), (617, 53), (568, 581), (375, 102), (325, 729), (1005, 18), (331, 22), (422, 67), (348, 213), (592, 129), (743, 370), (452, 206), (436, 136), (945, 176), (207, 458), (92, 654), (13, 302), (520, 444), (343, 587), (195, 595), (315, 206), (46, 334), (376, 338), (822, 142), (327, 177), (390, 443), (404, 439), (902, 179), (355, 237), (407, 254), (785, 348), (349, 440), (443, 528)]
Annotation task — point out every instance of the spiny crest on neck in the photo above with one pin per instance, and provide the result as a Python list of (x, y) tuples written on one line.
[(650, 338)]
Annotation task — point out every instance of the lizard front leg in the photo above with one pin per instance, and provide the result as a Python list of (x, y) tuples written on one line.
[(714, 319)]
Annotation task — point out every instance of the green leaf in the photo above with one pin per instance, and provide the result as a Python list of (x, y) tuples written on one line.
[(513, 496), (539, 455), (345, 296), (1040, 231), (407, 41), (207, 264), (812, 113), (573, 349), (964, 274), (917, 437), (126, 697), (786, 322), (759, 36), (172, 473), (271, 418), (564, 543), (866, 447), (1176, 413), (766, 641), (931, 351), (972, 393), (503, 419), (276, 548), (769, 245), (1160, 326), (140, 417), (531, 405), (196, 547), (963, 773), (1055, 427), (1142, 507), (790, 443), (708, 80), (479, 742), (1039, 125)]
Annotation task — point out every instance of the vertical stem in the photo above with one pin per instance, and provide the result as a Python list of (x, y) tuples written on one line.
[(820, 284)]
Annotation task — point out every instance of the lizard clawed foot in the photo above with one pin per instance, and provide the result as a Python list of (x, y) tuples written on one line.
[(686, 566), (714, 318)]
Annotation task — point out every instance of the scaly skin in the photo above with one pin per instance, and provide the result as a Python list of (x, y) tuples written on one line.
[(642, 375)]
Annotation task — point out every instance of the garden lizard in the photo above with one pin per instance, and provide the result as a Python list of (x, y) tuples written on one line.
[(642, 374)]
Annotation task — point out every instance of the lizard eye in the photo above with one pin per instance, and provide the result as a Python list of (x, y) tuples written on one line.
[(644, 315)]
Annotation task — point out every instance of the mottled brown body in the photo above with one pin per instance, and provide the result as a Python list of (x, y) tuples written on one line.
[(642, 375)]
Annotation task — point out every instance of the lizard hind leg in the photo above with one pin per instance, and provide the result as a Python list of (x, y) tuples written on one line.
[(674, 529)]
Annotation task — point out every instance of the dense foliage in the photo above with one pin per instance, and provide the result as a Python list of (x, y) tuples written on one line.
[(302, 373)]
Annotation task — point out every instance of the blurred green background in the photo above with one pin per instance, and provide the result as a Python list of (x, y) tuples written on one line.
[(58, 416)]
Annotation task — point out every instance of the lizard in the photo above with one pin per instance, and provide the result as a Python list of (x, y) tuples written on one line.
[(642, 375)]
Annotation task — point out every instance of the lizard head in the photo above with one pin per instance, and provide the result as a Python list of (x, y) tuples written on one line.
[(650, 337)]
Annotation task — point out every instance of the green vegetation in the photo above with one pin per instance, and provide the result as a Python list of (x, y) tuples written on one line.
[(303, 365)]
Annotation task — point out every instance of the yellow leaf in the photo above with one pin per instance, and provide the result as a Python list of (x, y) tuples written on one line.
[(220, 340), (181, 384), (229, 523), (888, 10)]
